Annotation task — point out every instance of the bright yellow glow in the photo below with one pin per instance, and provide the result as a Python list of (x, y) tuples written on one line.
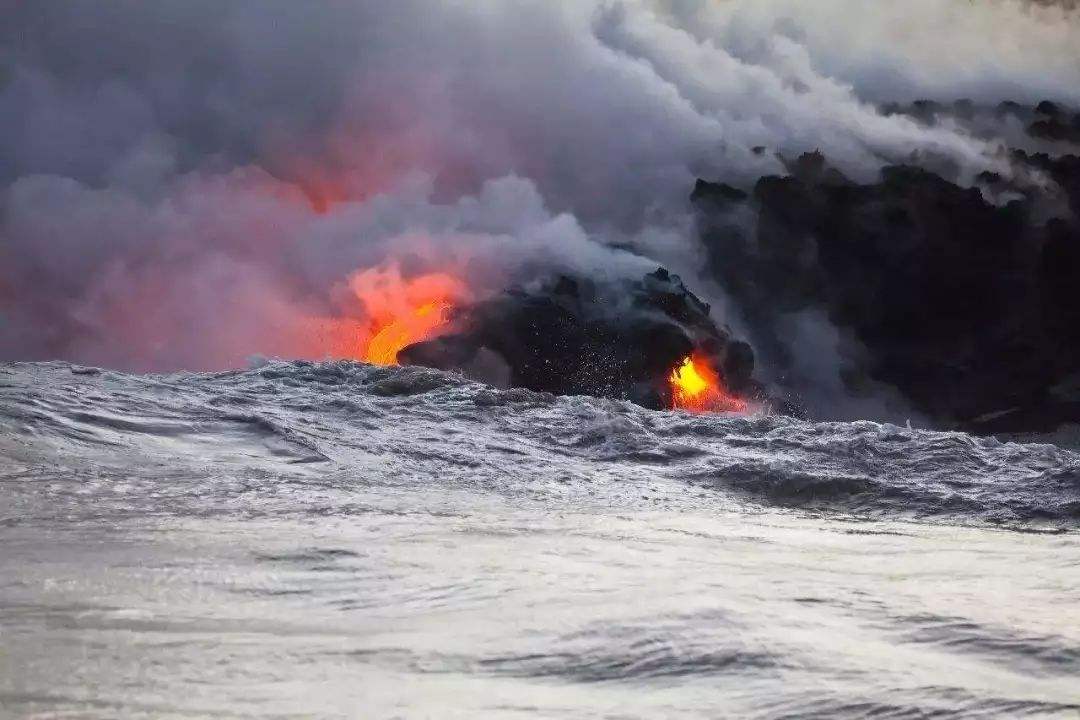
[(696, 387)]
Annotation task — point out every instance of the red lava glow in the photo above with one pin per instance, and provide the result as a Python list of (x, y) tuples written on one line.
[(418, 324), (696, 387), (400, 311)]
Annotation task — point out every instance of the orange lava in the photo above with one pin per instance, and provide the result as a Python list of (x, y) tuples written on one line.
[(400, 311), (421, 323), (696, 387)]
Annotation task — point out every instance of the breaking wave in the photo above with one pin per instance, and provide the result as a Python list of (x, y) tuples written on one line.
[(345, 421)]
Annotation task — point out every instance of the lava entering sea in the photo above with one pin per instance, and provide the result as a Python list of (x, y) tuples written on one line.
[(650, 341), (399, 311), (417, 324), (696, 387)]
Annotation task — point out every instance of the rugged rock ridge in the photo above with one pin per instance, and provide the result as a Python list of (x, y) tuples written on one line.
[(1048, 120), (966, 299)]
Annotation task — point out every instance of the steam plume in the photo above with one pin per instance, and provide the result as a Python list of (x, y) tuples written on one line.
[(187, 182)]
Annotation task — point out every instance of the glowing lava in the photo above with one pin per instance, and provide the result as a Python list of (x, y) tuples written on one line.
[(401, 310), (696, 387), (420, 324)]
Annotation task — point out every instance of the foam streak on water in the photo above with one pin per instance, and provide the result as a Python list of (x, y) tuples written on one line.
[(337, 540)]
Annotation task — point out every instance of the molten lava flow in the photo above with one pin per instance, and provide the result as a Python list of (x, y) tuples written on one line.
[(400, 311), (419, 324), (696, 387)]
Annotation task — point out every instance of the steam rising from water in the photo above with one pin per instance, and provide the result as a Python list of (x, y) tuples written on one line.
[(183, 184)]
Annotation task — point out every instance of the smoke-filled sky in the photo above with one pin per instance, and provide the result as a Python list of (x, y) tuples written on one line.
[(185, 183)]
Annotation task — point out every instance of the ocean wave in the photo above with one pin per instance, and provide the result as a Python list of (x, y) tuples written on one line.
[(343, 416)]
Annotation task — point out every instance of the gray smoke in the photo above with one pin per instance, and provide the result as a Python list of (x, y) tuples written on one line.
[(187, 182)]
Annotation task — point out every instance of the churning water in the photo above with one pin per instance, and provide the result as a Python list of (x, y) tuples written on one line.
[(339, 540)]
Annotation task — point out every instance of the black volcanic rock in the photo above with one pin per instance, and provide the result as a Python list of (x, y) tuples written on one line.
[(1057, 129), (1047, 121), (718, 193), (577, 336), (970, 309), (1048, 108)]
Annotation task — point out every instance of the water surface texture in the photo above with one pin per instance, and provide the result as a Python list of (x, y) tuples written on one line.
[(337, 540)]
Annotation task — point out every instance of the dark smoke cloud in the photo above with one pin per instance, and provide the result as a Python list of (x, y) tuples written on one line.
[(186, 182)]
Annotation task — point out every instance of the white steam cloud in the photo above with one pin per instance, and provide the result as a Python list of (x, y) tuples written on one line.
[(187, 182)]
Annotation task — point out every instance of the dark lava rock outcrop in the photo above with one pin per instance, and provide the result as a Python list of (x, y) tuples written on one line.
[(969, 307), (1047, 121), (579, 336)]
